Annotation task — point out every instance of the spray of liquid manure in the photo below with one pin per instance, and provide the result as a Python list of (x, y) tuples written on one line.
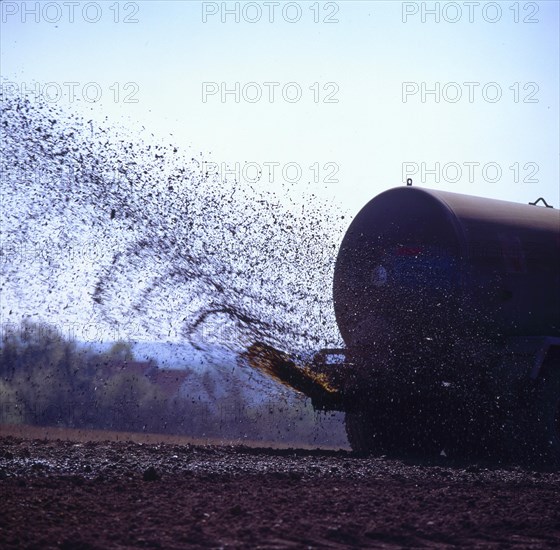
[(127, 231)]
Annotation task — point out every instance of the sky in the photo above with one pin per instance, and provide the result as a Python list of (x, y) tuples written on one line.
[(338, 100), (344, 99)]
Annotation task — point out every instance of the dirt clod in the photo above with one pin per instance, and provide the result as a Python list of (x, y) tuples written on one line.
[(150, 474)]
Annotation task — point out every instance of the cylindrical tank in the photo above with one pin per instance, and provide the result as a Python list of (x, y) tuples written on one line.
[(417, 264)]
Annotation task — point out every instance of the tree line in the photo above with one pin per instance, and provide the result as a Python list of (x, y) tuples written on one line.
[(49, 380)]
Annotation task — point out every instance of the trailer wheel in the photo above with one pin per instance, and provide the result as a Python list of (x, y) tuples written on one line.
[(400, 429), (361, 433), (537, 426)]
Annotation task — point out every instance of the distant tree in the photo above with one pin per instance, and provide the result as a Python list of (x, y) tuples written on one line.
[(131, 402), (39, 366), (121, 351), (12, 410)]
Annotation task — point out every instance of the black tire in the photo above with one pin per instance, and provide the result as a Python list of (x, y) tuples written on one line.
[(361, 435), (536, 425), (372, 425), (390, 433)]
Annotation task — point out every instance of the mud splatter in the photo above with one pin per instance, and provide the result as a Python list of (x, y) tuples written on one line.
[(100, 226)]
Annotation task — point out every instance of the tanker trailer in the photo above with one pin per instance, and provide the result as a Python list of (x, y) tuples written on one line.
[(449, 309)]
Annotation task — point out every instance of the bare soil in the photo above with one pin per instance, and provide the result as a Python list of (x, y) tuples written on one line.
[(73, 492)]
